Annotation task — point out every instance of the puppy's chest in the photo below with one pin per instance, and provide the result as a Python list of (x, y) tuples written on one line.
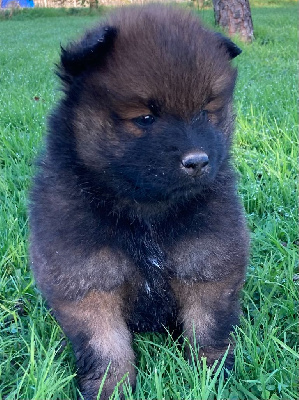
[(152, 251), (154, 305)]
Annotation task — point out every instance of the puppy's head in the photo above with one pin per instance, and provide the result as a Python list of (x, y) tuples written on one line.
[(149, 93)]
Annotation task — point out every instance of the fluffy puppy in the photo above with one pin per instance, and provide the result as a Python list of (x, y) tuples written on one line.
[(135, 220)]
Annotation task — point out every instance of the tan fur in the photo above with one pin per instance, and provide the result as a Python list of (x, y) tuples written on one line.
[(196, 301), (133, 129), (102, 316)]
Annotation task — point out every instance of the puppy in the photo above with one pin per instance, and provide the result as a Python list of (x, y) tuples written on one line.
[(135, 221)]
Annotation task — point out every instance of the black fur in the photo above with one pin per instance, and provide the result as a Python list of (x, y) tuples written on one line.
[(232, 49), (77, 58)]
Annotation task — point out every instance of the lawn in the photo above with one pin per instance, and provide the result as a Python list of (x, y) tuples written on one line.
[(36, 361)]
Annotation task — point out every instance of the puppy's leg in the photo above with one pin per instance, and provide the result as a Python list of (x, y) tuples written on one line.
[(209, 310), (99, 335)]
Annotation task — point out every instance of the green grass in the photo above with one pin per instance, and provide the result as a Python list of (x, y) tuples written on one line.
[(21, 14), (36, 362)]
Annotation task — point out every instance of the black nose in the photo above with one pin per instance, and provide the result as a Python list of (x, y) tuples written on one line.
[(195, 162)]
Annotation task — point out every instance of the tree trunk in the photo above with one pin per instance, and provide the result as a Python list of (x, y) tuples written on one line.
[(93, 3), (235, 17), (199, 3)]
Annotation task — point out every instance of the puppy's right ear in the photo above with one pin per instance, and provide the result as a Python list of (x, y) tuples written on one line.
[(88, 52), (230, 47)]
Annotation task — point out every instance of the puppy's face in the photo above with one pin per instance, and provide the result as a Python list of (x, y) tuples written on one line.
[(166, 157), (151, 102)]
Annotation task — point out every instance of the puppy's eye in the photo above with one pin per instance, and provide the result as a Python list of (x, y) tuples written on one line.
[(203, 116), (144, 120)]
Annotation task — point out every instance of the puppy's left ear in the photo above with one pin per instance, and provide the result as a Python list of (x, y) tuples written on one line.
[(90, 51), (231, 48)]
